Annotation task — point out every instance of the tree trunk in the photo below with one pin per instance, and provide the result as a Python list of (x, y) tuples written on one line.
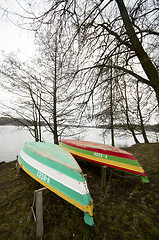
[(55, 97), (55, 119), (141, 119), (132, 131), (36, 137), (39, 119), (111, 108), (144, 59), (130, 126)]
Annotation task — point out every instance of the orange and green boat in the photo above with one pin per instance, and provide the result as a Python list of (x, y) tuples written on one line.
[(105, 155)]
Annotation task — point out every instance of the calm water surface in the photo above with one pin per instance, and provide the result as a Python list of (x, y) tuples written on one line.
[(13, 138)]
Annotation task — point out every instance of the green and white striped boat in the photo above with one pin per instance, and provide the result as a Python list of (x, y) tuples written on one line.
[(56, 169)]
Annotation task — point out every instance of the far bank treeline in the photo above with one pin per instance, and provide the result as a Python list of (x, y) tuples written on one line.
[(24, 122)]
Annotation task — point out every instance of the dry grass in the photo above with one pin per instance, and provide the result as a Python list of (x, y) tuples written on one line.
[(129, 211)]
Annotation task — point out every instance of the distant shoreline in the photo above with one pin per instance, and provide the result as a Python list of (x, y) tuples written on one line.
[(5, 121)]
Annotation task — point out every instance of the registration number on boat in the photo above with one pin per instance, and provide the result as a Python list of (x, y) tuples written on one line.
[(96, 154), (43, 176)]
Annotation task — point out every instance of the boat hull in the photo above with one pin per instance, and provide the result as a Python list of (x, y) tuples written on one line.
[(105, 155), (56, 169)]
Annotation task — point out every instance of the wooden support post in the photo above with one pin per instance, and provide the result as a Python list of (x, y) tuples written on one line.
[(17, 166), (85, 176), (103, 177), (39, 214)]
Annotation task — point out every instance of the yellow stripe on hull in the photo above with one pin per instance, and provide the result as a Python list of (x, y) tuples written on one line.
[(110, 162), (87, 208)]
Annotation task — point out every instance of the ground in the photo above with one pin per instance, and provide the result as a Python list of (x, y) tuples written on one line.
[(130, 209)]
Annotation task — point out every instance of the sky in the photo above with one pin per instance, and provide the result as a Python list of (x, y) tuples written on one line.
[(13, 38)]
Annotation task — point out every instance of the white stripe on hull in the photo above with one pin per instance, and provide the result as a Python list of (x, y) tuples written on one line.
[(80, 187)]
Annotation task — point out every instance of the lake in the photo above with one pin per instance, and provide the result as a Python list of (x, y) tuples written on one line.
[(12, 139)]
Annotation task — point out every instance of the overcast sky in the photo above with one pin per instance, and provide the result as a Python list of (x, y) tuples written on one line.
[(12, 37)]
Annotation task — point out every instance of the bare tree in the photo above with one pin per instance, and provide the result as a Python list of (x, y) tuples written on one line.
[(100, 28), (101, 31), (58, 69), (147, 64), (15, 79)]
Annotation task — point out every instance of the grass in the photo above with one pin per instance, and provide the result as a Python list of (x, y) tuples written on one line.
[(129, 211)]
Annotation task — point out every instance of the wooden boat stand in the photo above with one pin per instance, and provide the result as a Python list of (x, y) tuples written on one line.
[(17, 166), (38, 215)]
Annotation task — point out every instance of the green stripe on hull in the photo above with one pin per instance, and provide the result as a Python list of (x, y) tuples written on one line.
[(82, 199), (104, 156), (55, 152), (55, 165)]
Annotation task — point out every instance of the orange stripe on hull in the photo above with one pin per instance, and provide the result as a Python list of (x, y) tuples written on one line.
[(121, 166)]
